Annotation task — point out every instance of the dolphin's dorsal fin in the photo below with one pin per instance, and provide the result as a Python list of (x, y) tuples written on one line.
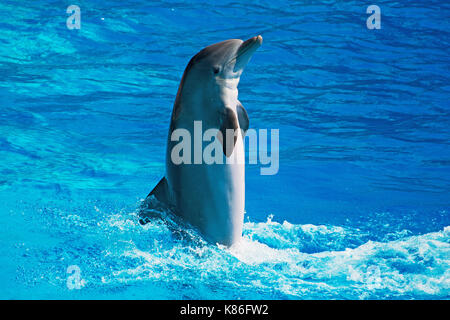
[(242, 117), (150, 206), (161, 191)]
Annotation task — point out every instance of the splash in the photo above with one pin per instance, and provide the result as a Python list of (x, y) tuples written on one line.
[(167, 258)]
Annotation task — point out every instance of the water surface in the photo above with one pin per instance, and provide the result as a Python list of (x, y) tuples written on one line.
[(359, 208)]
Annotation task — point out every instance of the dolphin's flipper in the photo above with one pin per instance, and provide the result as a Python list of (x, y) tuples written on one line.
[(229, 121), (242, 117)]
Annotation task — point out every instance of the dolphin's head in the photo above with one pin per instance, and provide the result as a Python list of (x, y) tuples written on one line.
[(212, 75), (226, 59)]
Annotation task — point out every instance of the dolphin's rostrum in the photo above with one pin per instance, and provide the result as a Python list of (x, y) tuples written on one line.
[(210, 196)]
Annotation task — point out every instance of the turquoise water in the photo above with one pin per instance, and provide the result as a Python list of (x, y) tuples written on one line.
[(358, 210)]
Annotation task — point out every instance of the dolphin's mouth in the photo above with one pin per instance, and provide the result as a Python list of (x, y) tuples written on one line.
[(250, 44), (245, 52)]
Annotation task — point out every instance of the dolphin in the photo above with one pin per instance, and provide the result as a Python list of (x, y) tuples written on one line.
[(210, 196)]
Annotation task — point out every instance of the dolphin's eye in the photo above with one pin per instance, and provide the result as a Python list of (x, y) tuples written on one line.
[(216, 70)]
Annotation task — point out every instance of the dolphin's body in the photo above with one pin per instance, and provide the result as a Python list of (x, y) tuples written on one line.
[(210, 196)]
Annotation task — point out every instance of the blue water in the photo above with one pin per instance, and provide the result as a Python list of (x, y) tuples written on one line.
[(358, 210)]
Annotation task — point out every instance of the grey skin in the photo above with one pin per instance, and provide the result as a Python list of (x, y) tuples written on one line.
[(210, 196)]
